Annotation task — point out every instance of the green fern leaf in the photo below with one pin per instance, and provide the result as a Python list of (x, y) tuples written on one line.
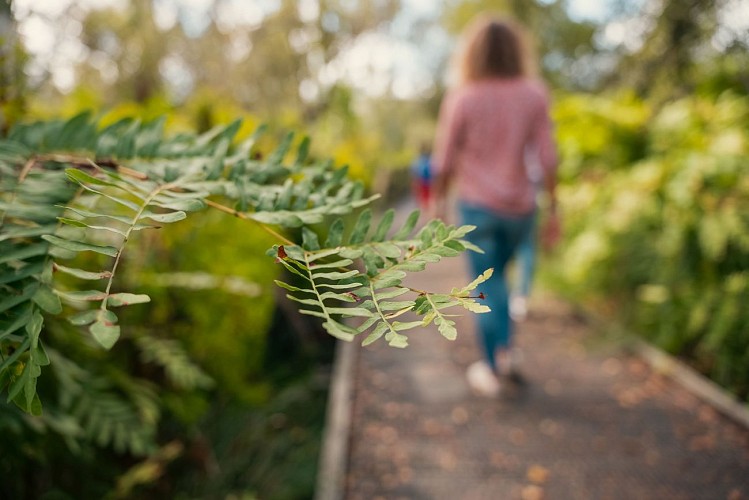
[(131, 176), (77, 246)]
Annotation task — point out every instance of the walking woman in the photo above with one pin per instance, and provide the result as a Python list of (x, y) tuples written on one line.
[(491, 122)]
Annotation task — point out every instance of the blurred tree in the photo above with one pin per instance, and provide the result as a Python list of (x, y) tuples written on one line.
[(292, 48), (12, 78), (127, 44), (271, 65), (669, 49), (682, 51), (280, 64), (664, 62)]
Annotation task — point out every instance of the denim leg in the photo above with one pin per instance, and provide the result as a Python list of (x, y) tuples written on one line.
[(499, 237), (527, 260)]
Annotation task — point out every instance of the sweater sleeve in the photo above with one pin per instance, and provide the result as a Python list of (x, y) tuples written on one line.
[(448, 138), (543, 139)]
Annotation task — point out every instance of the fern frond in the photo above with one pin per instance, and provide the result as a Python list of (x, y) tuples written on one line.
[(178, 367), (335, 286), (73, 186), (28, 211), (116, 412)]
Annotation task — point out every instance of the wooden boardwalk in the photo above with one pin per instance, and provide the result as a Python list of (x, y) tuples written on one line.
[(593, 423)]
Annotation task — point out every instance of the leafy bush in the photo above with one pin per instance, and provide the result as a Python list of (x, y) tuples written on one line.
[(597, 134), (666, 240)]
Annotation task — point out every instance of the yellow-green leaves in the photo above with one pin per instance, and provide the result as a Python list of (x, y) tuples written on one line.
[(431, 305), (331, 285)]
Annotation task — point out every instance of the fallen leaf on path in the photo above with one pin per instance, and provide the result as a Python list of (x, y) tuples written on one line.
[(532, 492), (537, 474)]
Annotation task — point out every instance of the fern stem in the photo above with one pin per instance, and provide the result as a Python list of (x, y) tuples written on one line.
[(24, 172), (243, 216), (315, 290), (379, 312), (434, 306), (129, 231), (78, 162), (26, 169)]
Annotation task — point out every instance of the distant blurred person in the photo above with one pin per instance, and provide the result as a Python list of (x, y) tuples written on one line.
[(421, 178), (495, 117)]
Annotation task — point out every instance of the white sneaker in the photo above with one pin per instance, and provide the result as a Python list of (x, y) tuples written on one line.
[(482, 380), (518, 307)]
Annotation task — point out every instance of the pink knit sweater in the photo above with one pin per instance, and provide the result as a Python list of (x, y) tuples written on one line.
[(487, 132)]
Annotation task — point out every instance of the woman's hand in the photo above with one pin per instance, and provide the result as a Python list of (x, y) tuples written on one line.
[(551, 232), (438, 208)]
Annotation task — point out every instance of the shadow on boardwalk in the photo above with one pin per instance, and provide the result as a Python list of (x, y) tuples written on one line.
[(592, 423)]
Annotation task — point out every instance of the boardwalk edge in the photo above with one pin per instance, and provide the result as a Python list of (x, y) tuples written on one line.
[(693, 381), (331, 472), (681, 373)]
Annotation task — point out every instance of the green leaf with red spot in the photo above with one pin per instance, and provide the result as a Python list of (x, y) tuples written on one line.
[(127, 299)]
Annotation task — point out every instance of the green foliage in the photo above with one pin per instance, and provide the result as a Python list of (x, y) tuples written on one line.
[(597, 134), (179, 368), (665, 242), (327, 271), (270, 452), (94, 220), (127, 178), (211, 288), (106, 418)]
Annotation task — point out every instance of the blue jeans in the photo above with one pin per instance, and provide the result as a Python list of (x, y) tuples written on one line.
[(499, 237), (526, 261)]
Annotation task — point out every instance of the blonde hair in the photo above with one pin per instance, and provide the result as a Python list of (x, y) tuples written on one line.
[(493, 47)]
